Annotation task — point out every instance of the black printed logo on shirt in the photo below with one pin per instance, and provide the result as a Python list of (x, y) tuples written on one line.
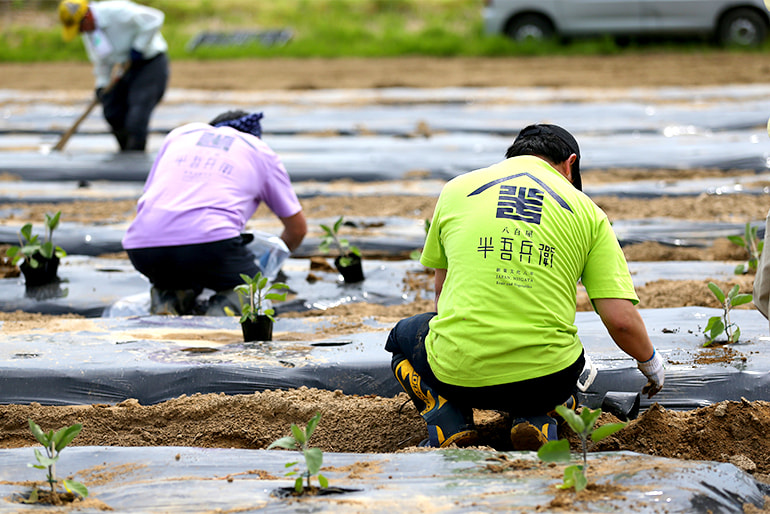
[(520, 203)]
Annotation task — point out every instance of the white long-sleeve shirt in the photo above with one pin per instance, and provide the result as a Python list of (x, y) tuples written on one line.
[(120, 26)]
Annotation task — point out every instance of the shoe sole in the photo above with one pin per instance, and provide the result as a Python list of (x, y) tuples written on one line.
[(526, 436), (461, 439)]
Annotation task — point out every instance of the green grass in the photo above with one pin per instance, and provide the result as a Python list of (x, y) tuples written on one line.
[(321, 28)]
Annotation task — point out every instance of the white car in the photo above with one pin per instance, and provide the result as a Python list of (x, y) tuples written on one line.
[(733, 22)]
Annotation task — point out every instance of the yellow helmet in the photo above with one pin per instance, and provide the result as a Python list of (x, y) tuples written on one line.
[(71, 12)]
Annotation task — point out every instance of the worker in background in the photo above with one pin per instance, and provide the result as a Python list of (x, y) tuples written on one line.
[(128, 51)]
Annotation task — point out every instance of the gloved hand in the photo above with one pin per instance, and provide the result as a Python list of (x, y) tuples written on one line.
[(99, 92), (653, 370), (135, 55)]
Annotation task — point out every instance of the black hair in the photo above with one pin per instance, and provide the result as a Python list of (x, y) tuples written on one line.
[(550, 142)]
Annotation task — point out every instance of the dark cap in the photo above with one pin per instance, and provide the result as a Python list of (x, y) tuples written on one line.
[(565, 137)]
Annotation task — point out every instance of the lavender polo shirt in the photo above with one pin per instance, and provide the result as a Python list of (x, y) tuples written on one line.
[(205, 184)]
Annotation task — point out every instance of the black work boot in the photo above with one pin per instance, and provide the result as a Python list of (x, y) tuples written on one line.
[(532, 432), (571, 403), (447, 424), (171, 302), (227, 298)]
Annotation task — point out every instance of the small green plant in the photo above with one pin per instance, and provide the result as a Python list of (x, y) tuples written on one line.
[(753, 246), (54, 443), (717, 325), (559, 451), (256, 290), (416, 254), (331, 238), (29, 244), (299, 441)]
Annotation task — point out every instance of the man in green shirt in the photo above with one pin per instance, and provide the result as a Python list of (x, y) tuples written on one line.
[(509, 244)]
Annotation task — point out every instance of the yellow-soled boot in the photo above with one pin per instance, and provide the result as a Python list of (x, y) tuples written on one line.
[(533, 432), (447, 424)]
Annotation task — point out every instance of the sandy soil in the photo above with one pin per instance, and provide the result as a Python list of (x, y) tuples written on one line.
[(727, 432), (625, 70)]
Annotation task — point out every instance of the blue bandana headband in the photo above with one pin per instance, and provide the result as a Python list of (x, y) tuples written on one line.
[(249, 124)]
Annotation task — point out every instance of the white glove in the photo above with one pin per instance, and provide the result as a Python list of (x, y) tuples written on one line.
[(653, 370)]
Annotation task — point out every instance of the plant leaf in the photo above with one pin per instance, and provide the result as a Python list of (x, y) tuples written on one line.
[(606, 430), (710, 324), (313, 458), (75, 487), (589, 417), (717, 329), (312, 424), (579, 479), (569, 477), (39, 434), (554, 451), (52, 221), (65, 436), (741, 299), (736, 335), (26, 231), (287, 442), (323, 481), (717, 292), (33, 497), (275, 296), (43, 460), (298, 484), (299, 435), (571, 418)]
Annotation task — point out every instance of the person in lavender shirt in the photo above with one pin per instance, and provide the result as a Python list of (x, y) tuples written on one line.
[(206, 182)]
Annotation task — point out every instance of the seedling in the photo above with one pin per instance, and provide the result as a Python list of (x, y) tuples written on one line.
[(753, 246), (54, 443), (313, 456), (559, 451), (416, 254), (29, 244), (257, 291), (343, 246), (717, 325)]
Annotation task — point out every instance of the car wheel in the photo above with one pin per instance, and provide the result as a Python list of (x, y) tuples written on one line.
[(530, 26), (742, 27)]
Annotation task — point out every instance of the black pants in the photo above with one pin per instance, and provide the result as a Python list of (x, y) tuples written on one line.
[(526, 398), (129, 104), (215, 265)]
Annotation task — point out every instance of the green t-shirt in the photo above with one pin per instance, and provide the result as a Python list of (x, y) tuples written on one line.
[(515, 238)]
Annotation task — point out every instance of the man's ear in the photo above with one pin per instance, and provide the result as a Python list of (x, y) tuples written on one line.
[(565, 168)]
